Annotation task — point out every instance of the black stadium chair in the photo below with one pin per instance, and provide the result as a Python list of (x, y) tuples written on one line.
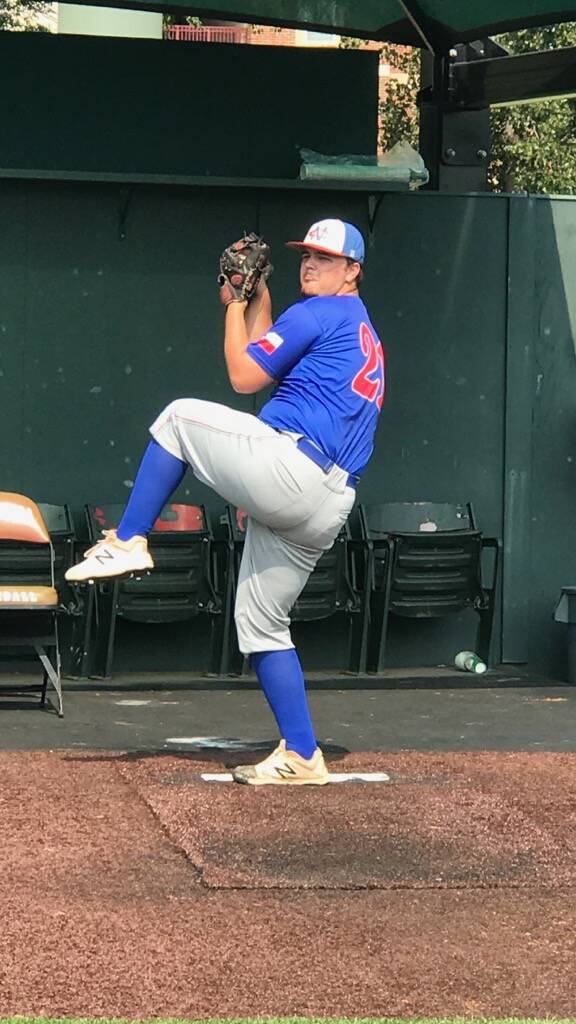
[(183, 584), (426, 561), (333, 588)]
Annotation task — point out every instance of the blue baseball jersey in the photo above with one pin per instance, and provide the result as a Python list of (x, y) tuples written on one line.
[(329, 364)]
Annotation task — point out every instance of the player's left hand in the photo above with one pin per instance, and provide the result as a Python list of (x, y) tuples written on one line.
[(242, 266)]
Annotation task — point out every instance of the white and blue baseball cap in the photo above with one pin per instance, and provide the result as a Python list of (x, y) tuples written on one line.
[(335, 237)]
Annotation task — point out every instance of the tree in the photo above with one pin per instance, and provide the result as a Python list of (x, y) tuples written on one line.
[(398, 111), (182, 19), (533, 144), (20, 15)]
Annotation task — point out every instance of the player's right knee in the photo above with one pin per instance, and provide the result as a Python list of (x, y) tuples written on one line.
[(259, 630)]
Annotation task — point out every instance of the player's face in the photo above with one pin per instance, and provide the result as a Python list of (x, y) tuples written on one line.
[(322, 274)]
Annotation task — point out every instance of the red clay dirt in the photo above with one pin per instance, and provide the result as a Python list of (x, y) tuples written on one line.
[(129, 887)]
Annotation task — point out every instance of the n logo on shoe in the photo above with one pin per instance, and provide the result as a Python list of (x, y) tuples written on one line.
[(286, 770), (106, 556)]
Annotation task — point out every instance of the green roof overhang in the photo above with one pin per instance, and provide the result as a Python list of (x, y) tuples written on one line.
[(438, 24)]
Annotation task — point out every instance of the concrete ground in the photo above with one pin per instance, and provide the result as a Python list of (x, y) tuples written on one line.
[(506, 710)]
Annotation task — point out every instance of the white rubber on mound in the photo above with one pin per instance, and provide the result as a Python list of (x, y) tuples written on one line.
[(334, 777)]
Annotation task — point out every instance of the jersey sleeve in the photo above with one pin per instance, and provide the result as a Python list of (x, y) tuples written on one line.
[(286, 342)]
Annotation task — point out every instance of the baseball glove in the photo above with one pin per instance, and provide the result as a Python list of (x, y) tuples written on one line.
[(242, 265)]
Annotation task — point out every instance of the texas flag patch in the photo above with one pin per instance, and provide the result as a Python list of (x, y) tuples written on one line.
[(270, 342)]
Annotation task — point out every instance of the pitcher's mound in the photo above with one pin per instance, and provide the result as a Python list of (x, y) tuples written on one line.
[(442, 821)]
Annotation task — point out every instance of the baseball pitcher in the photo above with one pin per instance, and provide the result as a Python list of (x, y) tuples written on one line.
[(292, 469)]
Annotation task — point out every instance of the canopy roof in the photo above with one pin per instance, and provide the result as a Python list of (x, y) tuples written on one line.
[(440, 23)]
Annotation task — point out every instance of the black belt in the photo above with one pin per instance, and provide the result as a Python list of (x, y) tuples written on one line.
[(323, 461)]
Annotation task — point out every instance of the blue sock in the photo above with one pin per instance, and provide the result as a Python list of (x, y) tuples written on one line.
[(280, 676), (157, 479)]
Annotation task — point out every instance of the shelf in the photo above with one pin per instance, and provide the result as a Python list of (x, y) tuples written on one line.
[(198, 180)]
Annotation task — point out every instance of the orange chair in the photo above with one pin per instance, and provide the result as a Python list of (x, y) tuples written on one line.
[(29, 599)]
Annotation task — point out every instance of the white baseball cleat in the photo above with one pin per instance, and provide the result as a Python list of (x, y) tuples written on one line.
[(112, 557), (284, 768)]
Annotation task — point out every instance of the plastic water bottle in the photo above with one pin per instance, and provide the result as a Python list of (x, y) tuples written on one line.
[(467, 661)]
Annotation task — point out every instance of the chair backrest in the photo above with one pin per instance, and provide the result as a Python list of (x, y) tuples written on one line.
[(21, 520), (174, 518), (182, 582), (432, 556), (60, 525), (27, 562), (58, 519), (416, 517)]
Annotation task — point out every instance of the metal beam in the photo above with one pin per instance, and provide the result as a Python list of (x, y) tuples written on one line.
[(520, 79), (455, 99), (418, 20), (454, 140)]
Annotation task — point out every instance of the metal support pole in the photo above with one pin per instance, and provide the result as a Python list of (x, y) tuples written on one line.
[(454, 140)]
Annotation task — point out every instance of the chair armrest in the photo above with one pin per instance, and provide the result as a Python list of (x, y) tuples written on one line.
[(222, 564), (495, 544), (361, 551), (386, 542), (71, 597)]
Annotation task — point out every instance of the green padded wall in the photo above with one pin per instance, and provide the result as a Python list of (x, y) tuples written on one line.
[(551, 501), (109, 310), (437, 282)]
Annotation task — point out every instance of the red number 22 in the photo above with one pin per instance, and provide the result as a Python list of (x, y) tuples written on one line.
[(369, 381)]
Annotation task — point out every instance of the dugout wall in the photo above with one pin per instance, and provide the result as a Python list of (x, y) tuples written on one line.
[(475, 297), (108, 310)]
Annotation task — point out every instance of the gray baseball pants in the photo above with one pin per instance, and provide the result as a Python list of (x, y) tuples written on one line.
[(295, 510)]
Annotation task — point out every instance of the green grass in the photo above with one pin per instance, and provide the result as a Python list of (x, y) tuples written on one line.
[(292, 1020)]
